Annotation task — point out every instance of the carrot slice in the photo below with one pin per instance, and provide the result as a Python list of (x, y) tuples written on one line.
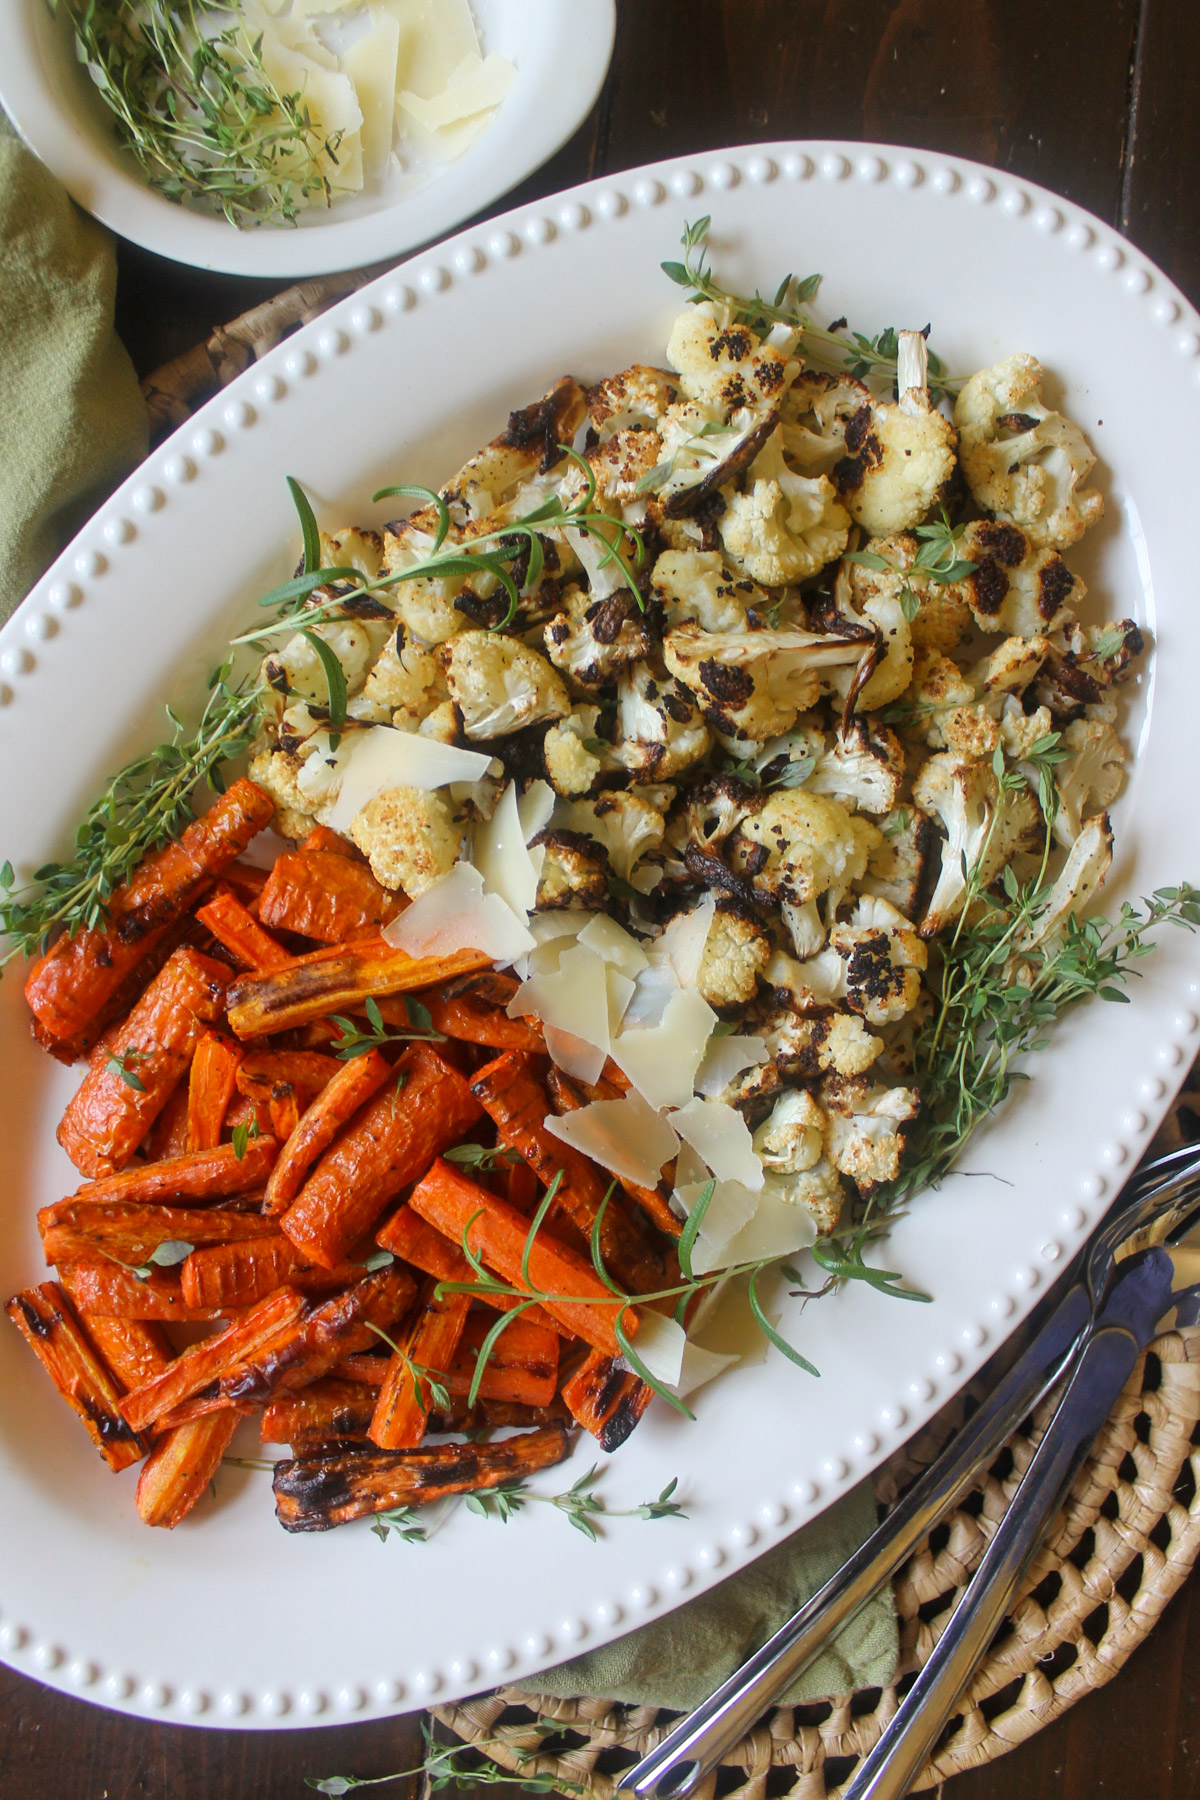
[(606, 1399), (352, 1086), (522, 1365), (329, 1409), (180, 1467), (581, 1303), (104, 1290), (123, 1092), (80, 1231), (167, 1137), (235, 926), (306, 1072), (45, 1320), (429, 1342), (567, 1098), (475, 1022), (202, 1364), (387, 1144), (415, 1242), (210, 1088), (321, 838), (517, 1102), (225, 1275), (69, 985), (322, 894), (331, 981), (134, 1349), (196, 1175)]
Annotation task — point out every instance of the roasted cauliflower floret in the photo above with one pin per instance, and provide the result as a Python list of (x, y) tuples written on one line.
[(571, 766), (864, 1134), (897, 865), (962, 794), (1016, 586), (1091, 778), (816, 411), (785, 527), (1023, 462), (276, 772), (404, 677), (725, 366), (943, 618), (899, 457), (352, 548), (661, 728), (752, 685), (499, 684), (622, 465), (805, 1048), (736, 951), (592, 640), (1082, 875), (884, 960), (707, 815), (693, 588), (626, 823), (574, 871), (862, 768), (297, 672), (634, 399), (792, 1137), (882, 613), (410, 836), (801, 844), (819, 1191), (1084, 663), (701, 454)]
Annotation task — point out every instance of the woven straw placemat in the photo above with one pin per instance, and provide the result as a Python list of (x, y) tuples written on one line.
[(1122, 1546)]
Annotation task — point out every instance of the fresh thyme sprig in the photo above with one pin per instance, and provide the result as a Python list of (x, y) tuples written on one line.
[(478, 1156), (866, 357), (937, 559), (121, 1067), (163, 1256), (463, 1765), (430, 1393), (198, 109), (581, 1504), (353, 1041), (143, 807), (407, 1526)]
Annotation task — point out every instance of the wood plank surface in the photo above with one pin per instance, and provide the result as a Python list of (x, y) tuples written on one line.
[(1097, 101)]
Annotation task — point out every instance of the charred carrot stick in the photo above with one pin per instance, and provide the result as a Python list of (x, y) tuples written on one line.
[(124, 1091), (519, 1186), (497, 1234), (80, 1231), (306, 1072), (180, 1467), (329, 1409), (104, 1290), (324, 895), (606, 1399), (333, 980), (284, 1109), (517, 1102), (69, 985), (167, 1137), (567, 1097), (121, 1002), (522, 1365), (45, 1320), (202, 1364), (210, 1088), (134, 1349), (353, 1084), (467, 1017), (424, 1247), (429, 1341), (235, 926), (225, 1275), (247, 881), (255, 1115), (387, 1144), (315, 1493), (196, 1175), (321, 838), (370, 1370)]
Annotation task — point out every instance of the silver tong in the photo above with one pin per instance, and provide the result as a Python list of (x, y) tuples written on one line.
[(1126, 1281)]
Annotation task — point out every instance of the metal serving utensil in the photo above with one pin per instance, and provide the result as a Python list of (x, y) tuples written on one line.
[(1152, 1207)]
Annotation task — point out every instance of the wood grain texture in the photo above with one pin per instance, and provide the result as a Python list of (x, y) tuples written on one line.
[(1095, 101)]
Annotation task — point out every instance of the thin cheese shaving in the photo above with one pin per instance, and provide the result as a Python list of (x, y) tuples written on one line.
[(661, 1345), (380, 760), (456, 914), (476, 86), (774, 1227), (725, 1059), (661, 1061), (682, 943), (614, 944), (625, 1136), (720, 1136), (509, 868)]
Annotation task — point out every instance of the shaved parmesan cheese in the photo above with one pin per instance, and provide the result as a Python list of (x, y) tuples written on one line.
[(699, 1367), (625, 1136), (333, 107), (575, 1057), (456, 914), (573, 999), (728, 1212), (435, 37), (682, 943), (776, 1227), (661, 1061), (370, 62), (382, 759), (474, 87), (651, 996), (320, 774), (660, 1345), (553, 932), (725, 1059), (536, 806), (720, 1135), (508, 867), (614, 944)]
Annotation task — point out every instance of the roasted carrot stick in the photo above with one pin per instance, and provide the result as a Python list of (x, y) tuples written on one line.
[(498, 1235), (211, 1088), (197, 1175), (466, 1016), (517, 1102), (123, 1093), (167, 1137), (429, 1341), (205, 1363), (255, 1115), (79, 1231), (323, 895), (234, 926), (519, 1186), (371, 1370), (387, 1144), (122, 1000), (606, 1399), (70, 984), (329, 1409), (353, 1084), (331, 981), (315, 1493), (45, 1320), (104, 1290), (413, 1241), (321, 838), (225, 1275), (522, 1365), (306, 1072), (247, 881), (180, 1467), (567, 1097), (133, 1349)]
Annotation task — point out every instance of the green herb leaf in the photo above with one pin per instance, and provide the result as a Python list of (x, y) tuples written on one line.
[(769, 1332), (335, 677), (308, 525), (691, 1229)]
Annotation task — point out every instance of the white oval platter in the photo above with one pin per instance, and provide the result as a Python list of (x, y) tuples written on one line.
[(561, 50), (229, 1621)]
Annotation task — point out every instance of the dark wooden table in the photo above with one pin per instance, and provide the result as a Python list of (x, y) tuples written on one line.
[(1096, 100)]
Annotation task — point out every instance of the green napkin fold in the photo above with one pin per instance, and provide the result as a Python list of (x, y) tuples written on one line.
[(72, 418), (678, 1660)]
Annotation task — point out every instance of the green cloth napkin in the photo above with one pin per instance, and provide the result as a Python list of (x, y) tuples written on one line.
[(72, 418), (678, 1660), (72, 425)]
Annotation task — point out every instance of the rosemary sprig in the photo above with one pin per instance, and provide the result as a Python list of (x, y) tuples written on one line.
[(199, 111), (866, 357), (581, 1504), (143, 807), (353, 1041)]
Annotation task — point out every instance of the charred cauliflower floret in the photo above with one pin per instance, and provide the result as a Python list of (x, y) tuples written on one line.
[(943, 618), (816, 411), (819, 1191), (622, 465), (709, 814), (404, 677), (693, 588), (884, 959), (701, 453), (785, 527), (1023, 462), (628, 824), (592, 640), (1090, 779), (805, 1048), (882, 615), (752, 685), (351, 548), (410, 836), (939, 690), (296, 672), (574, 871), (725, 366), (1016, 586), (661, 730), (862, 768), (736, 951), (792, 1136), (276, 772), (572, 754), (800, 844), (962, 794), (1082, 874), (1084, 663), (897, 865), (899, 457), (634, 399), (528, 447), (864, 1135), (499, 684)]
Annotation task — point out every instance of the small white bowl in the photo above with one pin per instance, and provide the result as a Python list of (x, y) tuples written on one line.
[(561, 49)]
